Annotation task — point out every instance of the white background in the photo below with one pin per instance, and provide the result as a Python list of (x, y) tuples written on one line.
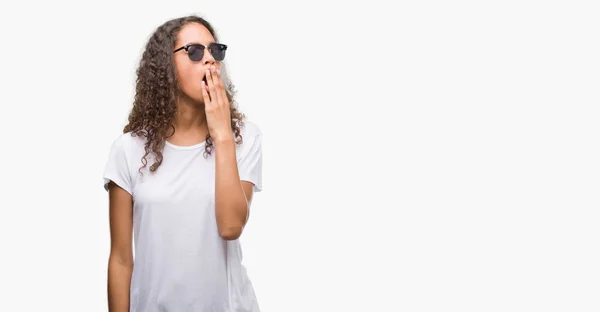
[(418, 155)]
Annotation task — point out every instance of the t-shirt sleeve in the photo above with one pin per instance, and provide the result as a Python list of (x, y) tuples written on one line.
[(250, 161), (117, 168)]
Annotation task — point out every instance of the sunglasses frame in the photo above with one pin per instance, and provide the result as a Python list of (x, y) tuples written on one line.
[(201, 46)]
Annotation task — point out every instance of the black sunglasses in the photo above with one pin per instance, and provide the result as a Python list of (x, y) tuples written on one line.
[(196, 51)]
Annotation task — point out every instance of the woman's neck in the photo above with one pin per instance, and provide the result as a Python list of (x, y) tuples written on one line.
[(190, 117)]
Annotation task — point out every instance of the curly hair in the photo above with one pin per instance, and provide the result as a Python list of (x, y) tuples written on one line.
[(156, 91)]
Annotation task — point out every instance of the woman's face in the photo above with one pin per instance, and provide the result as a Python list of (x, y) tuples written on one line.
[(190, 73)]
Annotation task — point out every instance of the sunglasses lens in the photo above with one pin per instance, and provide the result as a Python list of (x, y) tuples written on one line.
[(218, 51), (195, 53)]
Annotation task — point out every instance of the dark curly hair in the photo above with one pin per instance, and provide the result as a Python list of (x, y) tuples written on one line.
[(156, 91)]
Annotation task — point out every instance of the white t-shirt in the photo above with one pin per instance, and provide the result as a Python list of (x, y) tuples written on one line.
[(180, 261)]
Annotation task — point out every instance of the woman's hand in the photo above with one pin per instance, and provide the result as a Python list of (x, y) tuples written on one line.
[(216, 105)]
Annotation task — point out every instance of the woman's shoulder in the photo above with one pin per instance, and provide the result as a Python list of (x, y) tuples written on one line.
[(129, 142), (250, 129)]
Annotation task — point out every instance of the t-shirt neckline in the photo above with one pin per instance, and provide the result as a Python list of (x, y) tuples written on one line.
[(184, 147)]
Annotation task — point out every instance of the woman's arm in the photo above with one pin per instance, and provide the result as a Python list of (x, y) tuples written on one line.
[(120, 263), (232, 196)]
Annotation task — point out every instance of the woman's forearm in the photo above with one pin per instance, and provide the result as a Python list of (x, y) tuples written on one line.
[(230, 200), (119, 282)]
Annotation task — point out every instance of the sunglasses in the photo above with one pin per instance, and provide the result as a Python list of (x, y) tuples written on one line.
[(196, 51)]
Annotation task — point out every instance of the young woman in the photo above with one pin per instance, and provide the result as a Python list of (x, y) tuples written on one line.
[(181, 177)]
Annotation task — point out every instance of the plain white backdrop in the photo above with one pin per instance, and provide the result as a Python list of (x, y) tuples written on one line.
[(418, 155)]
